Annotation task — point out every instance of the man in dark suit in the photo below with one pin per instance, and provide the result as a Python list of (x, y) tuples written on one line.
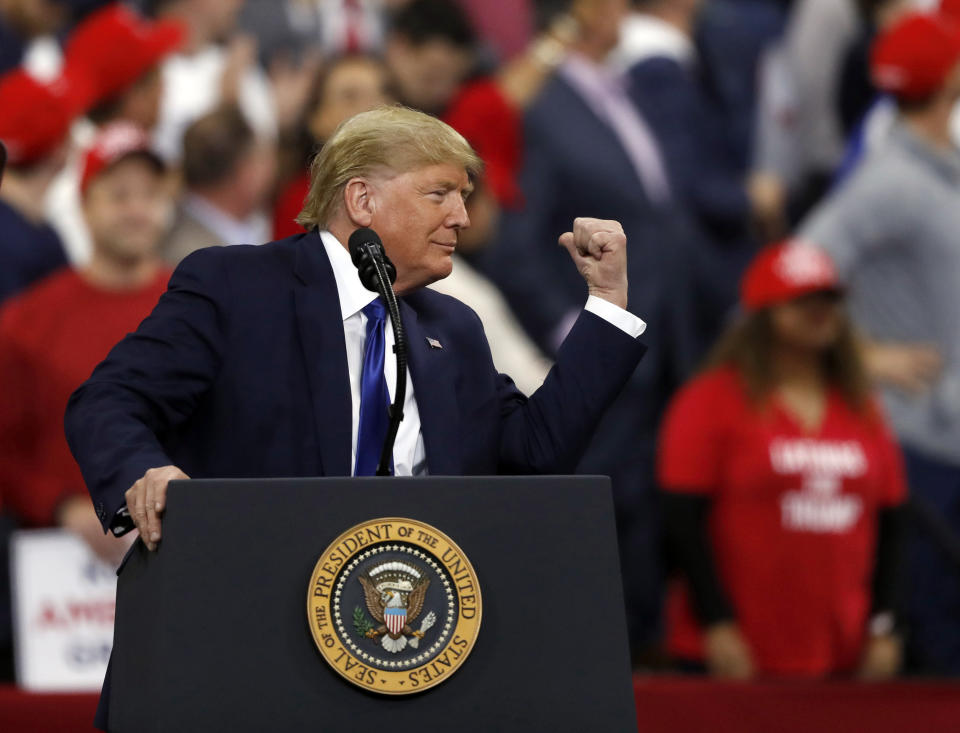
[(257, 361), (240, 370), (672, 90)]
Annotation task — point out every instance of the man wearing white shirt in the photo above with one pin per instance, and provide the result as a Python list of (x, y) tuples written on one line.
[(409, 457)]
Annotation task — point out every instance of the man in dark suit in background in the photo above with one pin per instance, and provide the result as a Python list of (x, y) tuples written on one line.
[(587, 148), (674, 93)]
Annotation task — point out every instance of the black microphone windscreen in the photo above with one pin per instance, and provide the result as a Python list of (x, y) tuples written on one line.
[(359, 238)]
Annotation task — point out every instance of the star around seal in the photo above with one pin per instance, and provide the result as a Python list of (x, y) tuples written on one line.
[(394, 606)]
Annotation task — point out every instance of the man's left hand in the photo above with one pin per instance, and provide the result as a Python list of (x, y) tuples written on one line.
[(598, 248), (881, 658)]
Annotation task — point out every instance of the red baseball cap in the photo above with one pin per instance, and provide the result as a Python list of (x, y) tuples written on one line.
[(786, 271), (36, 116), (115, 46), (913, 57), (115, 142), (950, 8)]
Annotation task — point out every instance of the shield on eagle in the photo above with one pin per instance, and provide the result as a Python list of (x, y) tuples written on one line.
[(395, 618)]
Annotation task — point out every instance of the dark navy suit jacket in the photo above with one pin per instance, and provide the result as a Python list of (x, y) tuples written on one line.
[(694, 135), (575, 163), (241, 371), (690, 129)]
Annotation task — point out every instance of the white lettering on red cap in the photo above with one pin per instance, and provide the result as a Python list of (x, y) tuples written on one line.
[(890, 78), (801, 265), (119, 139)]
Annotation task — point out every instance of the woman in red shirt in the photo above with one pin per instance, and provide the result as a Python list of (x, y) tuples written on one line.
[(783, 490)]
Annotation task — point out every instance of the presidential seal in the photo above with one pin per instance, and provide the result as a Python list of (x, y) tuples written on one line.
[(394, 606)]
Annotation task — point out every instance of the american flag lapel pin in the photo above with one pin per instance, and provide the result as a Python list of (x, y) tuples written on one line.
[(434, 344)]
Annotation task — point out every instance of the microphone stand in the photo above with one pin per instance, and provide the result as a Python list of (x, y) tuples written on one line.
[(395, 411)]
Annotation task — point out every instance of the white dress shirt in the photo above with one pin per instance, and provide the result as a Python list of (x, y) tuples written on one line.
[(366, 18), (644, 36), (409, 455)]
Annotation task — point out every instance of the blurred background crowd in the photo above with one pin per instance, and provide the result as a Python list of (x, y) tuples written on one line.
[(786, 460)]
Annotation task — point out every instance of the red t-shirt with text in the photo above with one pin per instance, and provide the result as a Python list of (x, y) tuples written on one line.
[(793, 523), (51, 338)]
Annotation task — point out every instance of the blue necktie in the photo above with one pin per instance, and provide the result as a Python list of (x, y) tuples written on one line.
[(374, 397)]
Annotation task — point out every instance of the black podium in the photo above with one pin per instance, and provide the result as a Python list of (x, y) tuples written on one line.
[(212, 632)]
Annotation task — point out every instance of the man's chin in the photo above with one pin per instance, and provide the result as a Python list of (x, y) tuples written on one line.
[(130, 251), (443, 269), (404, 286)]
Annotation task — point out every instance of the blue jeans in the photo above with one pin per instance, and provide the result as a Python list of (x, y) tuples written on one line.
[(932, 578)]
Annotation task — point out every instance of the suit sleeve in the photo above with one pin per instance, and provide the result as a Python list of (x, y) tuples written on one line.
[(891, 520), (149, 384), (888, 571), (549, 432), (690, 460), (686, 528)]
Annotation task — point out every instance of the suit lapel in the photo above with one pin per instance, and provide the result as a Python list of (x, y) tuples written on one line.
[(324, 349), (431, 370)]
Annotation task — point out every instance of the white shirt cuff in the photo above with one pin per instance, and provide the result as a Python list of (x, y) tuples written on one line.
[(615, 315)]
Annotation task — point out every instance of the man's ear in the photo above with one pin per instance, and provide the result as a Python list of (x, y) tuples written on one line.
[(358, 202)]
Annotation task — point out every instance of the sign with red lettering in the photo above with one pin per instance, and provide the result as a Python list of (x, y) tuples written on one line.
[(63, 610)]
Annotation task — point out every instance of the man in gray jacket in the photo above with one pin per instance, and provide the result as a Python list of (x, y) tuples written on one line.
[(893, 230)]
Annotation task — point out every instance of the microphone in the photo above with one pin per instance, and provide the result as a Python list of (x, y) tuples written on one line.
[(366, 250), (377, 273)]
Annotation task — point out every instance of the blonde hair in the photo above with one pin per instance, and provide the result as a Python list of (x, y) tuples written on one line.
[(392, 138)]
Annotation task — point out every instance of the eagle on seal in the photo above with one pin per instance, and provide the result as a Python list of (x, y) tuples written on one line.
[(394, 606)]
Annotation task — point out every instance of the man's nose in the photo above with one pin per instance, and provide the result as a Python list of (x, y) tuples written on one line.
[(458, 217)]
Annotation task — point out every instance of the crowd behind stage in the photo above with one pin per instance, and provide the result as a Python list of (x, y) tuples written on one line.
[(785, 461)]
